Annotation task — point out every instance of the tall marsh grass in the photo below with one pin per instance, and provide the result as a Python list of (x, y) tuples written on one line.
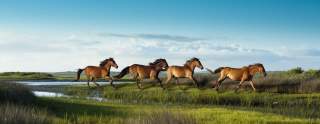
[(19, 114), (17, 106), (15, 93), (162, 117)]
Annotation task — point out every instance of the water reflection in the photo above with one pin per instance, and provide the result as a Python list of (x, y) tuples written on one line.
[(54, 94), (48, 94), (40, 83)]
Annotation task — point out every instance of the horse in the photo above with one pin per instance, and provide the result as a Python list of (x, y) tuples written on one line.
[(185, 71), (243, 74), (101, 71), (141, 72)]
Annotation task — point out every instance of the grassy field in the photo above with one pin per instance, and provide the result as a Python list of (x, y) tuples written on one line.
[(295, 105), (32, 110), (283, 97), (87, 111)]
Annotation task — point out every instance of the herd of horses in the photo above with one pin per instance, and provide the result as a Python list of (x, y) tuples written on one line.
[(151, 71)]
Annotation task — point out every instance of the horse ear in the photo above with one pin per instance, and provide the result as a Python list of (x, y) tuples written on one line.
[(194, 58)]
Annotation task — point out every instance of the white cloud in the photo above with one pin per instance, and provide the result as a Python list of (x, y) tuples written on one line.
[(298, 52), (33, 52)]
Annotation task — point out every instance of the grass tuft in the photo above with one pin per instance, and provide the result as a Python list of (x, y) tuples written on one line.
[(19, 114), (15, 93)]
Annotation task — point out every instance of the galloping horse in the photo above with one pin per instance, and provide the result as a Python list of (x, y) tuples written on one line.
[(103, 71), (185, 71), (141, 72), (243, 74)]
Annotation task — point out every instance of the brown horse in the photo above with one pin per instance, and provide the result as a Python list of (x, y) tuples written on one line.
[(141, 72), (243, 74), (94, 72), (185, 71)]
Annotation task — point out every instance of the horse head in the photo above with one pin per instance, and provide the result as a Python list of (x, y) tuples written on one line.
[(259, 68), (194, 62), (109, 62), (160, 64)]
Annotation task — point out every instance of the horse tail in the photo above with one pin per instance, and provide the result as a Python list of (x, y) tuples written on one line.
[(123, 72), (78, 74), (218, 70), (210, 71)]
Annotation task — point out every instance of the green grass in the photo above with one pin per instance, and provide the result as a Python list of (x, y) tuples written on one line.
[(283, 97), (17, 105), (186, 105), (26, 76), (295, 105), (15, 93), (21, 114), (87, 111)]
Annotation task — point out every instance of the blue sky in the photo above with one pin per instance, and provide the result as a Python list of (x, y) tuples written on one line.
[(59, 35)]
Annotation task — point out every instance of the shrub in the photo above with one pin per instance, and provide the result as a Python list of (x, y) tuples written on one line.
[(297, 70), (15, 93), (312, 73)]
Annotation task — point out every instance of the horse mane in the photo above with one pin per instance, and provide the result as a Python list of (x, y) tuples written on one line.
[(190, 60), (256, 64), (156, 61), (104, 62)]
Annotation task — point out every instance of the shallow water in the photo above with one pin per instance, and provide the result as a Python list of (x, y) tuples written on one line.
[(54, 94), (48, 94), (46, 89), (39, 83)]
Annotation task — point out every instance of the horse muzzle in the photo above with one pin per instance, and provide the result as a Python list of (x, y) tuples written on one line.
[(165, 68)]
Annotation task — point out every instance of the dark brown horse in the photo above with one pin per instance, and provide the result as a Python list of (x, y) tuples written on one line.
[(185, 71), (95, 72), (243, 74), (141, 72)]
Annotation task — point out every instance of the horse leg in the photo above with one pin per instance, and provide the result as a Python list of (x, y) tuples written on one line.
[(219, 81), (137, 80), (94, 81), (169, 77), (251, 83), (159, 82), (194, 81), (177, 82), (239, 86), (139, 84), (140, 77), (88, 80), (111, 81)]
